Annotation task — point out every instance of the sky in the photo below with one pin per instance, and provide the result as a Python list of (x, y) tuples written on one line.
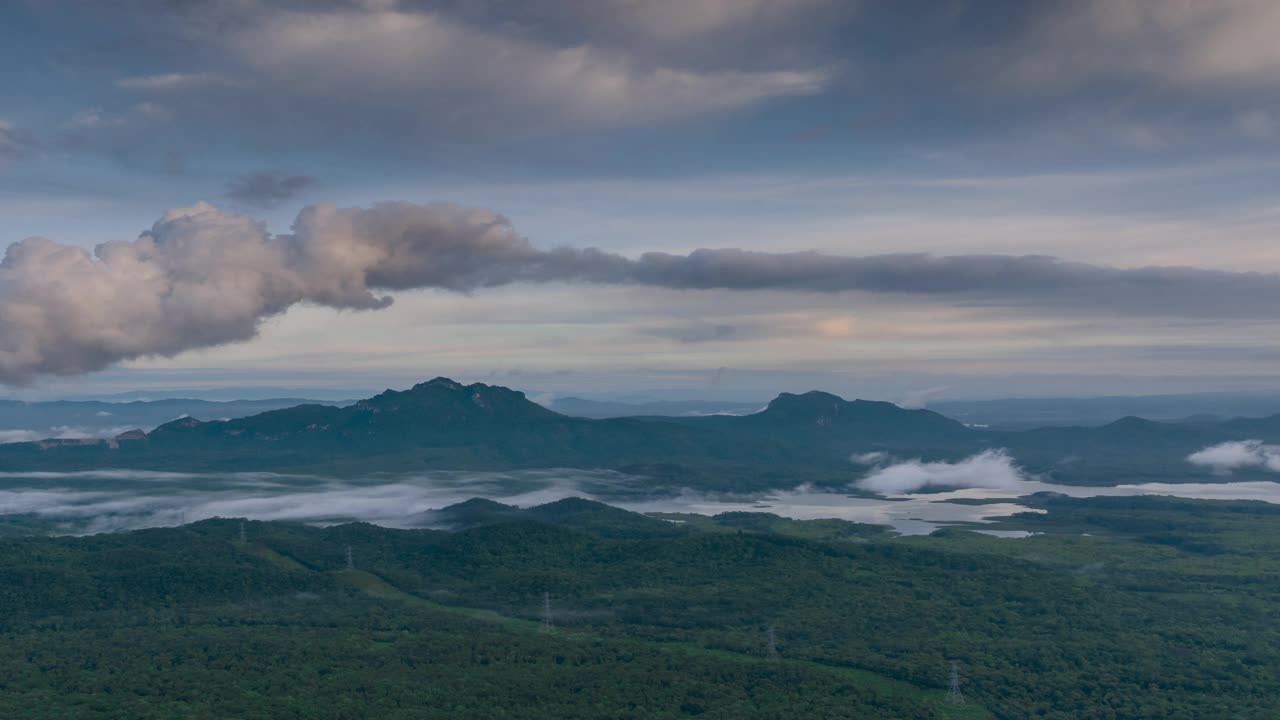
[(723, 198)]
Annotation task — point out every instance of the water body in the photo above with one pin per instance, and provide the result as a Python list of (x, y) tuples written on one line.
[(89, 502)]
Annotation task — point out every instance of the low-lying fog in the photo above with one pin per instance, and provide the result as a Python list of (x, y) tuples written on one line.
[(102, 501)]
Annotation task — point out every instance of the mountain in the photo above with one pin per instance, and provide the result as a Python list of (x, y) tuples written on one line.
[(821, 420), (883, 421), (439, 410), (797, 438), (440, 424), (580, 407)]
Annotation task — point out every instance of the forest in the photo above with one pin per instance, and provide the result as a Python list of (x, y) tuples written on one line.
[(1118, 608)]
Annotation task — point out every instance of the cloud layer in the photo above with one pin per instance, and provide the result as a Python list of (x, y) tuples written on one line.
[(419, 70), (110, 500), (201, 277), (1089, 77), (113, 500), (60, 432)]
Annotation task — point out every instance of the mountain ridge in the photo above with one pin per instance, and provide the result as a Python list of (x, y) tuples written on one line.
[(805, 437)]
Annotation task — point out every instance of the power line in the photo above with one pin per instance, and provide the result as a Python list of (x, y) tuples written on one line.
[(772, 635), (351, 564), (243, 537)]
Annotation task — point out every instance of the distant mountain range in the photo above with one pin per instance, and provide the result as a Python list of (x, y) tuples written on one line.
[(1038, 412), (442, 424), (1007, 414), (93, 418), (580, 407), (106, 417)]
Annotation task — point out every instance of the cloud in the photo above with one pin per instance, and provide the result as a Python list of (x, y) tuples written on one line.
[(1178, 43), (201, 277), (425, 72), (146, 499), (18, 436), (59, 432), (694, 18), (171, 82), (403, 76), (1228, 456), (451, 77), (917, 399), (267, 188), (992, 469), (870, 458), (700, 32)]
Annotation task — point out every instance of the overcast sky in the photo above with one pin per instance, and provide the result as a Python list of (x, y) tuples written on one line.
[(881, 198)]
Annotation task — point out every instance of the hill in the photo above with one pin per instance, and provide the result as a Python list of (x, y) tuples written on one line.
[(843, 426), (577, 610)]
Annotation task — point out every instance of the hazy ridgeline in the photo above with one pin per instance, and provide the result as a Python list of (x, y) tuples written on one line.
[(815, 438)]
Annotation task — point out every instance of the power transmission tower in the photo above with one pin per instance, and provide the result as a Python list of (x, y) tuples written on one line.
[(773, 642), (546, 612), (243, 537), (953, 691), (351, 564)]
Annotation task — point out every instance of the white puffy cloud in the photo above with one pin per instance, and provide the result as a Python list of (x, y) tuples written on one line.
[(989, 469), (1228, 456), (201, 277)]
